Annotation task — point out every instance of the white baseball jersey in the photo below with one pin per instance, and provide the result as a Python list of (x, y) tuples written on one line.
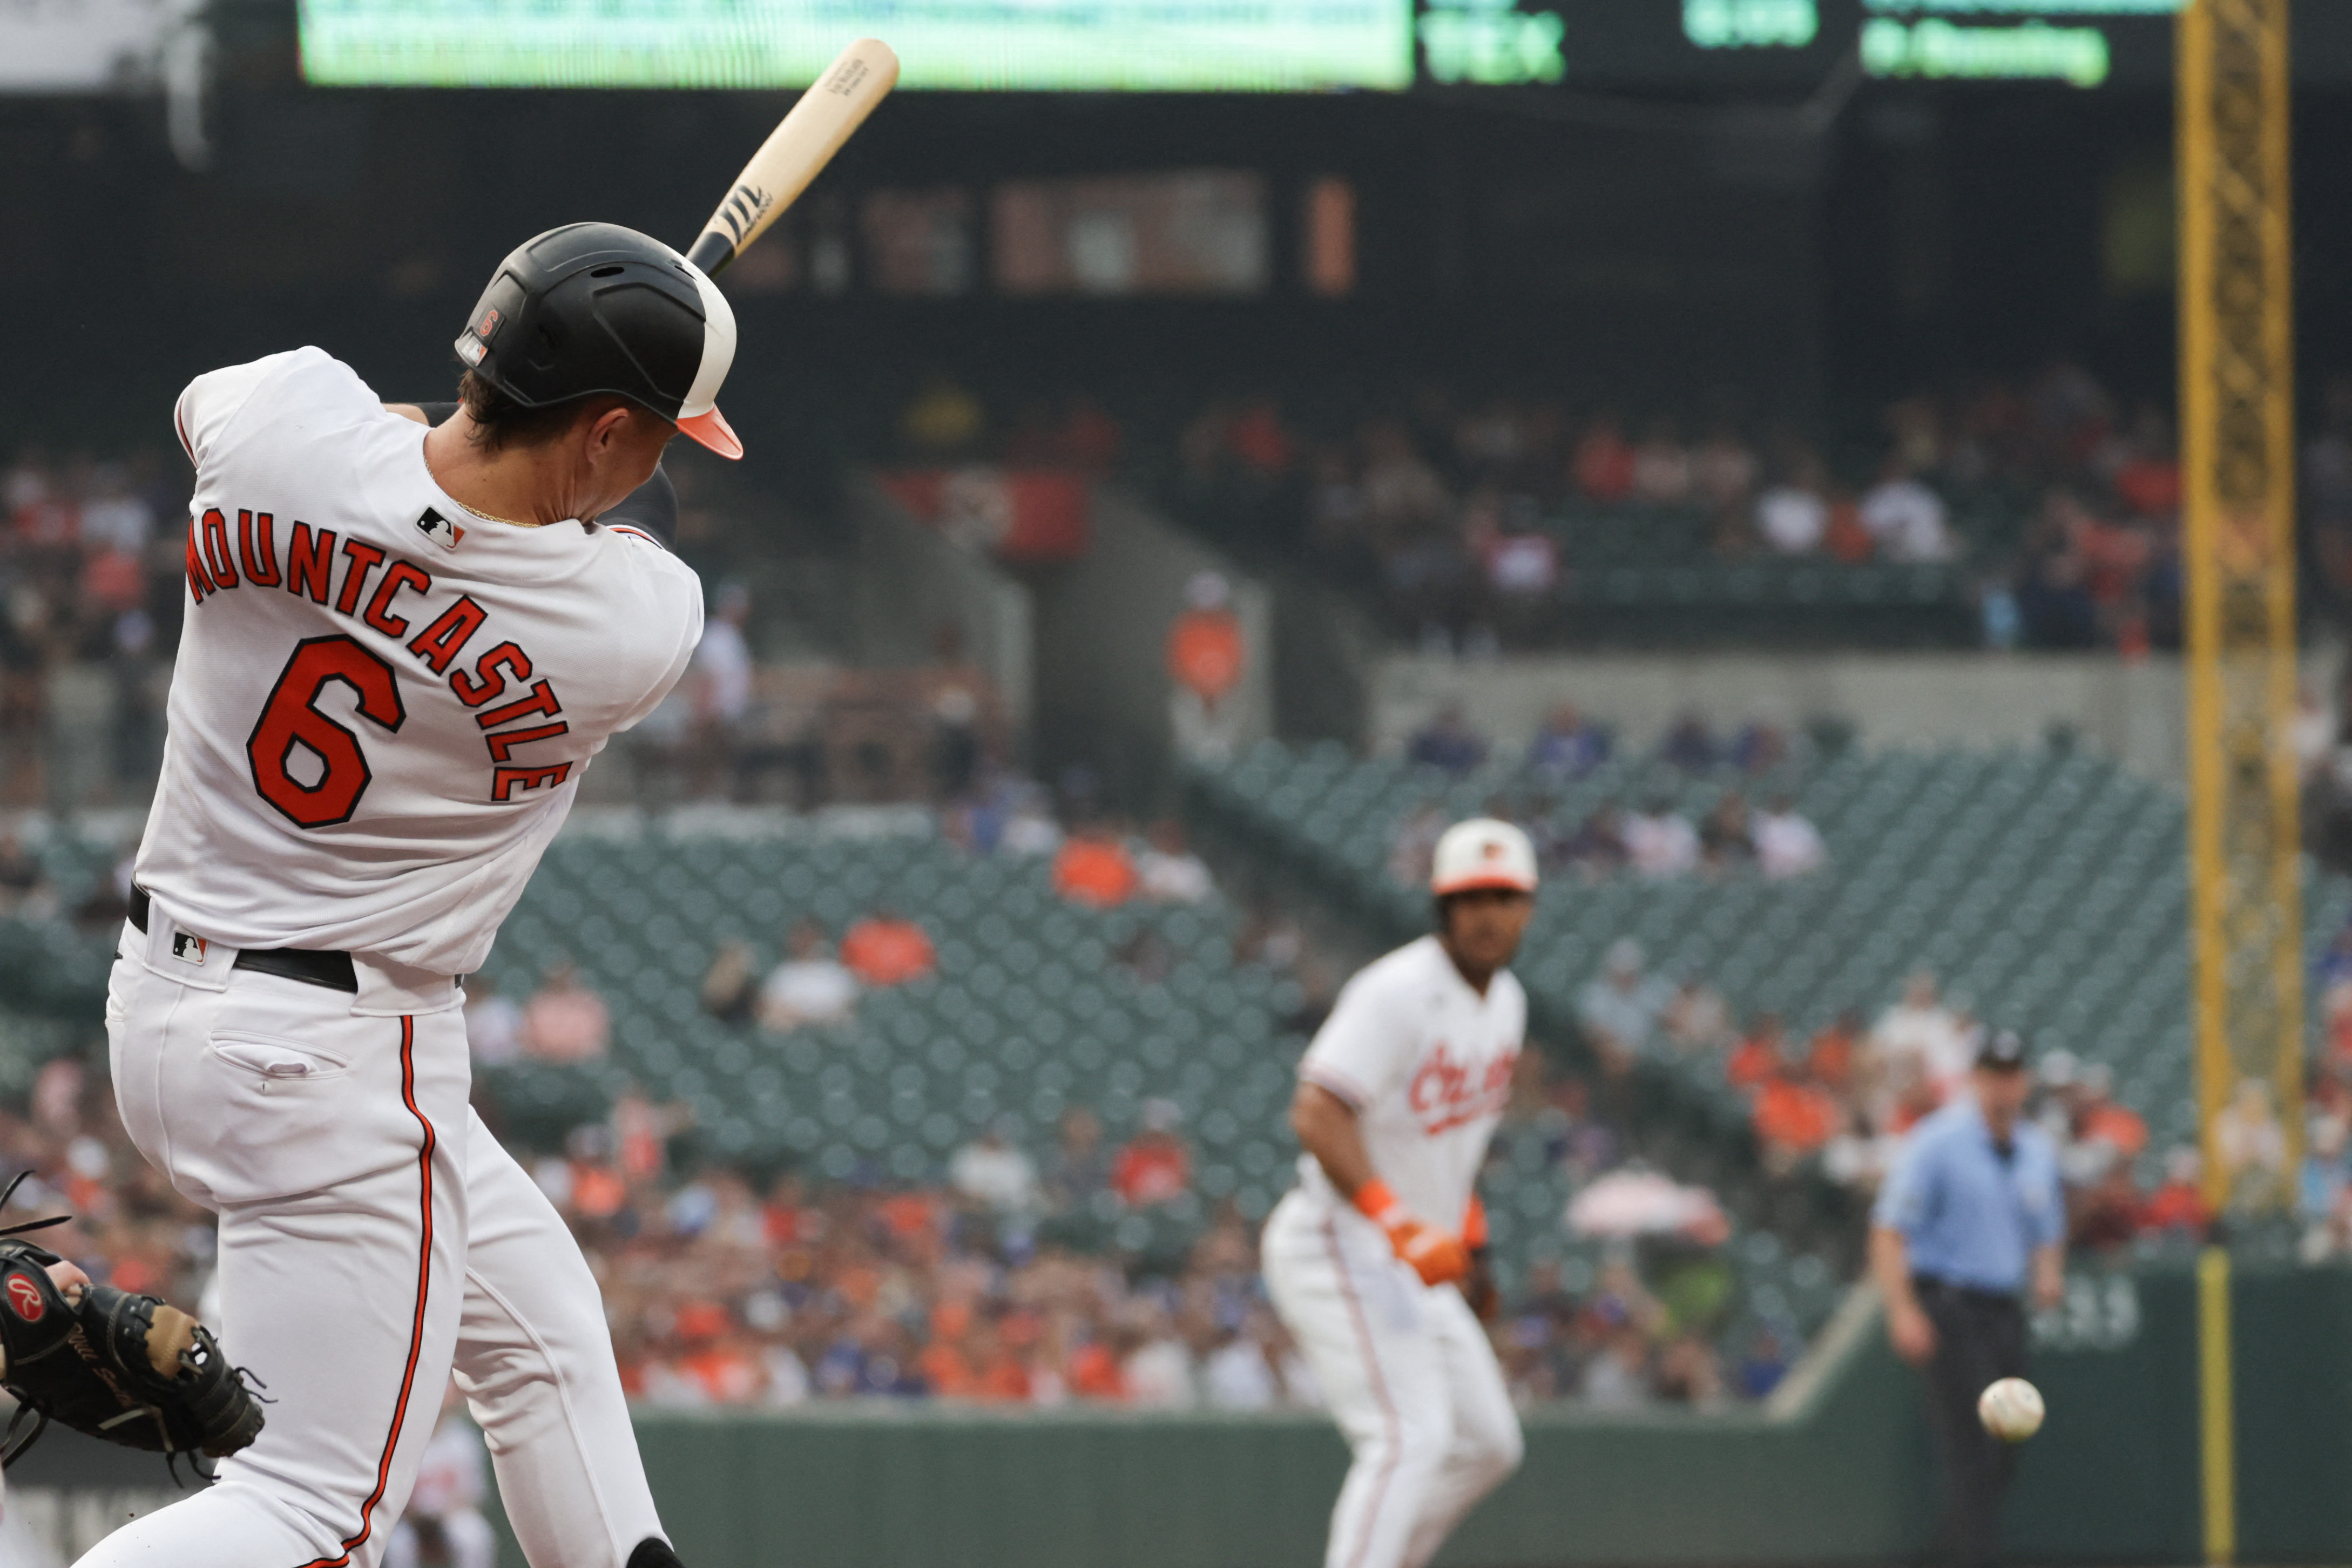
[(1427, 1063), (384, 703)]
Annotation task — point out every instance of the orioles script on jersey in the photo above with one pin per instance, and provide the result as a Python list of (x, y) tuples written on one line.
[(1445, 1093), (340, 579), (1426, 1063)]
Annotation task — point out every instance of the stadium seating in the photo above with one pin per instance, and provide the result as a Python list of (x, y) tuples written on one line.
[(1647, 577), (1031, 1011), (2048, 889)]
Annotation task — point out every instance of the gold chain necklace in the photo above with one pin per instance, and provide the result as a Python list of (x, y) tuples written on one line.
[(494, 517)]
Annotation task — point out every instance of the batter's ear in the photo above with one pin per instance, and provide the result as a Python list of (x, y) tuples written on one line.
[(608, 428)]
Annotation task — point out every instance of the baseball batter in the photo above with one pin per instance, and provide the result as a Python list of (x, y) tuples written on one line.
[(403, 646), (1375, 1257)]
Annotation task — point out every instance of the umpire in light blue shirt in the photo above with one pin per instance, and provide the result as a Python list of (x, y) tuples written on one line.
[(1971, 1217)]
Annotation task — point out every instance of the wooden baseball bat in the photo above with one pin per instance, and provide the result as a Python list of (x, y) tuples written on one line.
[(797, 151)]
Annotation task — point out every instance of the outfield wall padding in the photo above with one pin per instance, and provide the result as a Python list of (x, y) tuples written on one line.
[(1844, 1475)]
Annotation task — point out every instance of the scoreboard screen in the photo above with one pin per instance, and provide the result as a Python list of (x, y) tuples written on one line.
[(1025, 45), (1158, 46)]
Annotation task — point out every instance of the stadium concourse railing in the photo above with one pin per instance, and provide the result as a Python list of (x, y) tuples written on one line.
[(1837, 1467)]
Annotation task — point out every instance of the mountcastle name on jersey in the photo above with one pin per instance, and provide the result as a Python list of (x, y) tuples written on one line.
[(383, 704)]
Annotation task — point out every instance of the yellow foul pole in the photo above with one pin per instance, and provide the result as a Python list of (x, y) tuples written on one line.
[(2237, 433), (2237, 429)]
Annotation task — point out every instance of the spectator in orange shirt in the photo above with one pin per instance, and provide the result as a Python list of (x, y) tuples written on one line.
[(1831, 1060), (1155, 1167), (1094, 868), (2148, 481), (1206, 656), (943, 1364), (1758, 1054), (715, 1366), (1847, 539), (885, 950), (788, 1219), (2178, 1205), (1794, 1117), (1095, 1374), (2097, 1117), (596, 1191), (1603, 464), (1257, 438), (1204, 643), (1000, 1377)]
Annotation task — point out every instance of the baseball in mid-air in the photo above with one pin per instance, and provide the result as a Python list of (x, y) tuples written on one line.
[(2010, 1409)]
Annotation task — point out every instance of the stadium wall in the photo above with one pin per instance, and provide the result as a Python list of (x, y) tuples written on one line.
[(912, 581), (1103, 683), (1835, 1468), (1838, 1468)]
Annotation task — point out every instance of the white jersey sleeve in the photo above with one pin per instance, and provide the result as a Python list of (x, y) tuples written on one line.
[(214, 398), (1365, 1046), (672, 598)]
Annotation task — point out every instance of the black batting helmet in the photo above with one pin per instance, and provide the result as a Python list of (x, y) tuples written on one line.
[(593, 307)]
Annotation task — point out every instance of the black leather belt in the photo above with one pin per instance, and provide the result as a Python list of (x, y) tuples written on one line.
[(331, 969)]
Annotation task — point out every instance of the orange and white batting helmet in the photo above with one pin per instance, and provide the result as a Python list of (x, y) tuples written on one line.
[(1483, 853)]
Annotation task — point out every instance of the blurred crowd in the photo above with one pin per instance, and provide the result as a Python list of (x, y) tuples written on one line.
[(1000, 1281), (1087, 1270), (1000, 1284), (1465, 514), (1840, 1099), (1648, 838), (89, 582), (949, 1290), (2324, 1183)]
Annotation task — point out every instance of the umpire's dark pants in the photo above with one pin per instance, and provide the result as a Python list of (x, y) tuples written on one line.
[(1979, 1338)]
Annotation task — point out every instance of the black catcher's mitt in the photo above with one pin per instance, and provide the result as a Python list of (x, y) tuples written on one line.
[(131, 1369)]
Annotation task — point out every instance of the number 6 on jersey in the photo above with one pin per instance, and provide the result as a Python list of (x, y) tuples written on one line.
[(292, 717)]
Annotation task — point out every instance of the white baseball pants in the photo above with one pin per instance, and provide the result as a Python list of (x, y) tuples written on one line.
[(373, 1237), (1406, 1368)]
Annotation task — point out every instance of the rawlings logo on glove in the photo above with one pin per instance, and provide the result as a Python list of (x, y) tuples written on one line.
[(134, 1370)]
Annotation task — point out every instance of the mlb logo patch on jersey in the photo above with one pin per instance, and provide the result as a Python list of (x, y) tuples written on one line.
[(440, 530), (188, 947)]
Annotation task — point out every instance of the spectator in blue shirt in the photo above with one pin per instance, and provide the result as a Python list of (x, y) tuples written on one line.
[(1447, 742), (1972, 1217)]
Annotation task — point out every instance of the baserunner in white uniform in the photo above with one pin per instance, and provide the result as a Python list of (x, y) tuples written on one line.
[(403, 646), (1375, 1259)]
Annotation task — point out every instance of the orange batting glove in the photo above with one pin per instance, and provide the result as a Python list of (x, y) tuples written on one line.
[(1436, 1256)]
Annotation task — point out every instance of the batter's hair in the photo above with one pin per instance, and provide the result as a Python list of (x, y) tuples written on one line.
[(500, 422)]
